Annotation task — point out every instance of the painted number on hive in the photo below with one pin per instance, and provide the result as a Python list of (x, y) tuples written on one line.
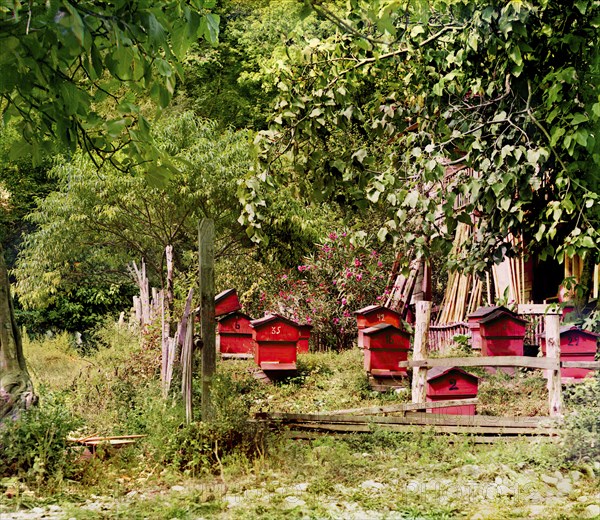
[(276, 330), (452, 384)]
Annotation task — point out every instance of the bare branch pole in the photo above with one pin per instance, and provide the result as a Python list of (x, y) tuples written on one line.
[(186, 367), (419, 382), (206, 238), (170, 297), (553, 351)]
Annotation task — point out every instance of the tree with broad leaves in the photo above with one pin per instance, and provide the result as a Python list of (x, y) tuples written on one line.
[(61, 63), (506, 92)]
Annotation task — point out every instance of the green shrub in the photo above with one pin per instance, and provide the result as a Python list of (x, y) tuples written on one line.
[(200, 446), (582, 425), (34, 447)]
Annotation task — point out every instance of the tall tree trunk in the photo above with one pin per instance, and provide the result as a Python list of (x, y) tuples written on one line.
[(16, 389)]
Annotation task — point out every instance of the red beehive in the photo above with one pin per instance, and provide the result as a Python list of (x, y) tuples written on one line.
[(226, 302), (575, 345), (373, 315), (384, 347), (473, 322), (235, 334), (275, 339), (446, 384), (502, 334), (304, 337)]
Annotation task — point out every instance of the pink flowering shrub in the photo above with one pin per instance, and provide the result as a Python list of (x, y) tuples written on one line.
[(336, 280)]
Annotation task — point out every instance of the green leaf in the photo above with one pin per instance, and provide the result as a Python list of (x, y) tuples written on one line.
[(582, 5), (382, 233), (360, 155), (157, 176), (473, 40), (163, 67), (411, 199), (556, 133), (115, 127), (578, 118), (533, 157), (373, 196), (209, 26), (416, 30), (515, 55), (588, 242), (306, 11), (75, 22), (156, 31)]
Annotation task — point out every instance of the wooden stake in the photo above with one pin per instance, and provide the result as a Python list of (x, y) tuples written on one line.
[(419, 382), (426, 288), (186, 368), (523, 268), (553, 352), (496, 286), (206, 237)]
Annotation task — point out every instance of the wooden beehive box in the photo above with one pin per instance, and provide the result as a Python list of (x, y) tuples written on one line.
[(227, 302), (275, 339), (384, 347), (451, 383), (373, 315)]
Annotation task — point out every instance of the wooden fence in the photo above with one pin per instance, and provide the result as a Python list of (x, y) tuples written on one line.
[(441, 337), (551, 364)]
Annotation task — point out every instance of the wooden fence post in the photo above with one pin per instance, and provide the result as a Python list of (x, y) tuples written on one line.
[(553, 352), (206, 238), (419, 382)]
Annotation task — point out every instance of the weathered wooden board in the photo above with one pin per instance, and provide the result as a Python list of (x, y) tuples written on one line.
[(593, 365), (418, 419), (404, 407), (476, 439), (473, 430), (485, 361)]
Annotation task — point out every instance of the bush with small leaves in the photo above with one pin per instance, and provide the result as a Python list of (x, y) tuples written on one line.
[(34, 447)]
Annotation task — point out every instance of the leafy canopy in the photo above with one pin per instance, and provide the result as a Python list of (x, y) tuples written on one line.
[(94, 224), (462, 111), (62, 61)]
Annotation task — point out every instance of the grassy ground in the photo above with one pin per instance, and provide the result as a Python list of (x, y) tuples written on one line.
[(380, 475)]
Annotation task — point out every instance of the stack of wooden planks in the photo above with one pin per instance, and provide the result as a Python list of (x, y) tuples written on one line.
[(464, 292), (484, 429), (510, 280)]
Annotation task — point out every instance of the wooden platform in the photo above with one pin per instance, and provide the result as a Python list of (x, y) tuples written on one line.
[(386, 380), (385, 384)]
